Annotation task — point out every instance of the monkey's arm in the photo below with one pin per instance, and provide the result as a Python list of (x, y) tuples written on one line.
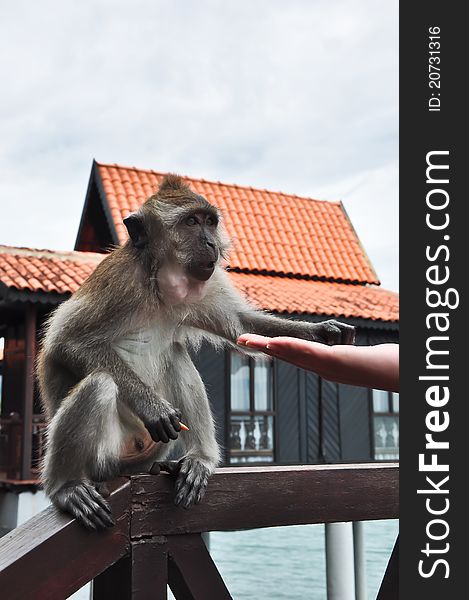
[(158, 416), (227, 314), (326, 332)]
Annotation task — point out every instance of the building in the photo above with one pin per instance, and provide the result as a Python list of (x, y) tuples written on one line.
[(297, 257)]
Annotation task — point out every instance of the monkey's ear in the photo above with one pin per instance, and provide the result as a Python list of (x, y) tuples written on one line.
[(136, 229)]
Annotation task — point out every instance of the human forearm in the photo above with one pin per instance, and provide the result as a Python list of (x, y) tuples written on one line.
[(368, 366)]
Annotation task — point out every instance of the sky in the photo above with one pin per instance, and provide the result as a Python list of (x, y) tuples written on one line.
[(298, 96)]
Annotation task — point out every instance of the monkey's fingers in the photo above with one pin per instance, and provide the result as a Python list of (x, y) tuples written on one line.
[(160, 431), (191, 483), (349, 334), (200, 495), (177, 425), (91, 516), (82, 501), (334, 332), (97, 497), (188, 480), (83, 519), (164, 429), (95, 507), (185, 465), (190, 493), (168, 424)]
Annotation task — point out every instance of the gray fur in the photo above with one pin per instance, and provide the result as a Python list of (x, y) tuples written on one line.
[(114, 358)]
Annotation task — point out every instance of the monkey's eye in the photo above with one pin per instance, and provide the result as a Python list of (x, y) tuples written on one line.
[(210, 221), (191, 221)]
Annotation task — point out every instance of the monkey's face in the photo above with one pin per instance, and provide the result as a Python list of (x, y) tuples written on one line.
[(178, 236), (191, 256), (197, 242), (187, 235)]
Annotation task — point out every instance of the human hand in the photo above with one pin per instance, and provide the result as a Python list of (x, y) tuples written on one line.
[(367, 366)]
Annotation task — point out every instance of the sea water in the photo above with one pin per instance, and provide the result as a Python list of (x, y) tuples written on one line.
[(289, 562)]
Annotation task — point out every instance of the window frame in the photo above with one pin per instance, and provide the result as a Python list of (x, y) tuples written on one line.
[(389, 413), (252, 412)]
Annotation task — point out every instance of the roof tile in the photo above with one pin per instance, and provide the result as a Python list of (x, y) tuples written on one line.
[(45, 270)]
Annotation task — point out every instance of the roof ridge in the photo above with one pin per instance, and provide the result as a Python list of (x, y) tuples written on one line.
[(45, 253), (211, 181)]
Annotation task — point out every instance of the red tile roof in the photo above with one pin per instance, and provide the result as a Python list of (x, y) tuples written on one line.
[(272, 232), (23, 269), (287, 295), (45, 270)]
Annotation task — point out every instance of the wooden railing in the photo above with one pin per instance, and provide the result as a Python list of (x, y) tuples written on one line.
[(154, 543)]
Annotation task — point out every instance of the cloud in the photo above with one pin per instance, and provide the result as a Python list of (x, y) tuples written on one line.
[(370, 201), (298, 96)]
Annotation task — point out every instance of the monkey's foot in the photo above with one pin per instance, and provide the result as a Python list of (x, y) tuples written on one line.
[(81, 499), (169, 466), (191, 482), (333, 332)]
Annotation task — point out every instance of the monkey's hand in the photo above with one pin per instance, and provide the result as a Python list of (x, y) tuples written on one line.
[(191, 482), (81, 499), (330, 332), (164, 427)]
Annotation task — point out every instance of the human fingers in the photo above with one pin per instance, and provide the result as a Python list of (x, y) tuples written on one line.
[(254, 341), (298, 351), (294, 350)]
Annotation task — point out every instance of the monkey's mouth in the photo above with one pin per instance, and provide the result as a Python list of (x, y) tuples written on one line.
[(202, 271)]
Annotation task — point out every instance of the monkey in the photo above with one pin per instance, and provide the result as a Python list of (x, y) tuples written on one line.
[(114, 366)]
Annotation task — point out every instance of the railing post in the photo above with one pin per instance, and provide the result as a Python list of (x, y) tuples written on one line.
[(114, 582), (361, 590), (149, 569), (339, 561), (141, 575)]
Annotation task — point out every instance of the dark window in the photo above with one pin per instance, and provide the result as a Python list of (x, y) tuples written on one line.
[(251, 431), (386, 425)]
